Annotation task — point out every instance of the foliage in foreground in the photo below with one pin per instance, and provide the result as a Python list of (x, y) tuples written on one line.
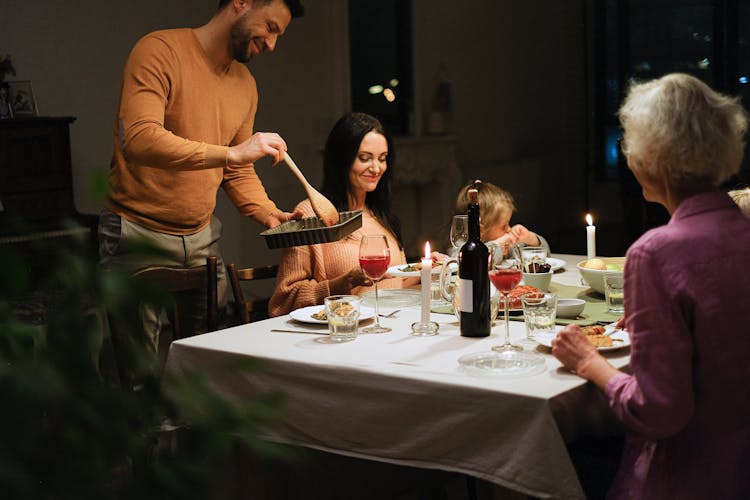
[(68, 430)]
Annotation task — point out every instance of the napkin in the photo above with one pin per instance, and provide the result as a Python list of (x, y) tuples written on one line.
[(595, 311), (442, 309)]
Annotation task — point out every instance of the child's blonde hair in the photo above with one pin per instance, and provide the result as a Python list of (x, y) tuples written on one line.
[(742, 198), (495, 203)]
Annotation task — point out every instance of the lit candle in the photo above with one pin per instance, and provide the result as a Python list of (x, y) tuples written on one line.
[(426, 283), (590, 238)]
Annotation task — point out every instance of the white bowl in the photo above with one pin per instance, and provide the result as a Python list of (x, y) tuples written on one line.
[(570, 308), (538, 280), (595, 277)]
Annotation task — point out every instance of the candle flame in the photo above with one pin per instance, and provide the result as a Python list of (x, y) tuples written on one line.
[(427, 250), (589, 220)]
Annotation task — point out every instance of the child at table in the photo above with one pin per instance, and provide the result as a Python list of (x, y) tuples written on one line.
[(496, 206)]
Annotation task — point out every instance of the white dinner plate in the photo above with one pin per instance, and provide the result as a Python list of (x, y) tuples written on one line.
[(620, 338), (304, 314), (397, 298), (397, 271), (555, 263), (502, 364)]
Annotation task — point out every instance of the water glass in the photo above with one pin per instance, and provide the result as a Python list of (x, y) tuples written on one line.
[(531, 254), (613, 292), (343, 317), (436, 296), (539, 312), (459, 230)]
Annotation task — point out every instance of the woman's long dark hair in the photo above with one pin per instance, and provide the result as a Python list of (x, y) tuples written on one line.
[(341, 150)]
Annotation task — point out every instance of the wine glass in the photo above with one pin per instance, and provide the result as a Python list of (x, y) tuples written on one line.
[(374, 257), (505, 275), (459, 231)]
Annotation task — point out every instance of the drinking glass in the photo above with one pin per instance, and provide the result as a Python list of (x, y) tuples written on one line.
[(374, 257), (539, 313), (342, 312), (459, 231), (613, 292), (505, 274)]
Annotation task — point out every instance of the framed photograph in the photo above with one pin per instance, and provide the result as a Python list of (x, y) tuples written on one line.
[(22, 101)]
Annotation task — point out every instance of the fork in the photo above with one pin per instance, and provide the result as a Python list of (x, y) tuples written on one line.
[(391, 314)]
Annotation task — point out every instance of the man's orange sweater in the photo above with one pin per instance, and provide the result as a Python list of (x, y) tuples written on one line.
[(177, 116)]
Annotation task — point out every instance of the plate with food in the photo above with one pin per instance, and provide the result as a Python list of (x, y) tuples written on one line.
[(555, 264), (604, 338), (317, 314), (413, 270)]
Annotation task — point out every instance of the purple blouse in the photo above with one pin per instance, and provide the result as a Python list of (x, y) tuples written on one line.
[(686, 407)]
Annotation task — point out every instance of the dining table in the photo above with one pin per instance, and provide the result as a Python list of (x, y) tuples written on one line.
[(405, 399)]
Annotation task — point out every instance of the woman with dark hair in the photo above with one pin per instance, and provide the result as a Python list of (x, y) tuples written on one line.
[(357, 173)]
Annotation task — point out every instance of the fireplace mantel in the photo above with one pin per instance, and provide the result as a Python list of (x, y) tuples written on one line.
[(426, 182)]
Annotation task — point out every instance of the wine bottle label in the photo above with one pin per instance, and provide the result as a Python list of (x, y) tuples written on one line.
[(466, 295)]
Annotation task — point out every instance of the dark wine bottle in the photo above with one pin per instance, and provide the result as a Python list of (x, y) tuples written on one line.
[(474, 287)]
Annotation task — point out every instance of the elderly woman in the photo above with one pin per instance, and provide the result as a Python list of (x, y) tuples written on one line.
[(357, 172), (686, 406)]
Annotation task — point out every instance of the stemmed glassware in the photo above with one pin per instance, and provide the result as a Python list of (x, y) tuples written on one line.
[(459, 230), (374, 257), (505, 274)]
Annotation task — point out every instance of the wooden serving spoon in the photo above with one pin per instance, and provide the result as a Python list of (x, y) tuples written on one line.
[(321, 205)]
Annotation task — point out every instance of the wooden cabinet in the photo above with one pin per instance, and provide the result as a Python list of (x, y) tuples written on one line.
[(36, 182), (38, 219)]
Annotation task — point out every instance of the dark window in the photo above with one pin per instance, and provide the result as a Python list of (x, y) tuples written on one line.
[(380, 52), (645, 39)]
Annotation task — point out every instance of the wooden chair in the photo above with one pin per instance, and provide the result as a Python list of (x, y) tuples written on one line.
[(250, 309), (186, 279), (175, 281)]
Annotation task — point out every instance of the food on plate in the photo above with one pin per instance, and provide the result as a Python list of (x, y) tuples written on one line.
[(412, 268), (595, 264), (539, 266), (342, 308), (595, 336), (614, 267), (320, 315), (599, 340), (409, 268), (514, 297), (593, 330)]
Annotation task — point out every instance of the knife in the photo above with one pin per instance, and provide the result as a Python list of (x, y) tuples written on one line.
[(314, 332)]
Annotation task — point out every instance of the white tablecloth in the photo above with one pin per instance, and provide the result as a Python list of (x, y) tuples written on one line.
[(403, 399)]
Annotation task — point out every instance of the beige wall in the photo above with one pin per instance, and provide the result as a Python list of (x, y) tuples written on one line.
[(518, 91)]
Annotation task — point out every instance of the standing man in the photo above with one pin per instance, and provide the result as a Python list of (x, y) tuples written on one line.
[(184, 128)]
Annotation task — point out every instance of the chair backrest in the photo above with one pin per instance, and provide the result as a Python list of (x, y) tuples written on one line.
[(250, 309), (181, 279), (175, 281)]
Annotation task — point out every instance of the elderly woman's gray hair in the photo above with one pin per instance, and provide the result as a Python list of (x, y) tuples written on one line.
[(679, 129)]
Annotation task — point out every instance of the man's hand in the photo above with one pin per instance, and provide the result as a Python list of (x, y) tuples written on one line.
[(256, 147), (279, 217)]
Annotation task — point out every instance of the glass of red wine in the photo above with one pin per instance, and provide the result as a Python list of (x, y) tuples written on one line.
[(374, 257), (505, 274)]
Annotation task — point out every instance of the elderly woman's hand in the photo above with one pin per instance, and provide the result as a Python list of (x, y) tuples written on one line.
[(572, 349)]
